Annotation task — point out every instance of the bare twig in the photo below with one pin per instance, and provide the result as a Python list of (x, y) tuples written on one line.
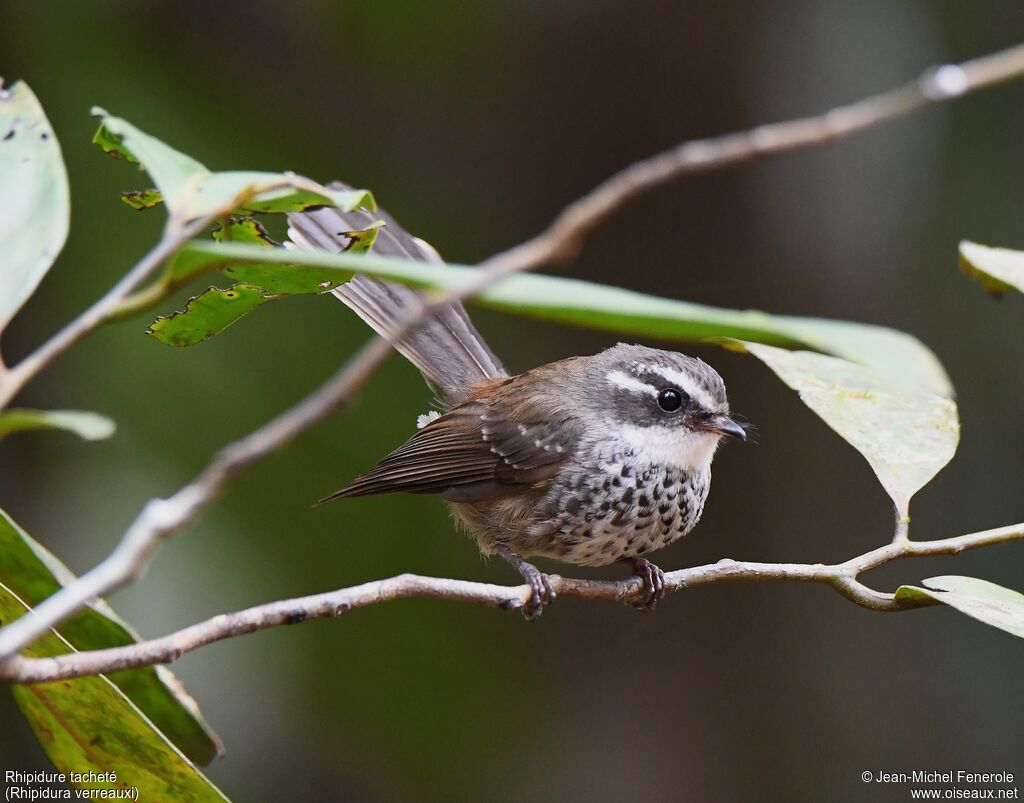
[(563, 238), (175, 235), (840, 576), (121, 300), (161, 518)]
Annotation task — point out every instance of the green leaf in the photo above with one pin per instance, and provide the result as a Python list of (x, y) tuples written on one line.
[(207, 314), (899, 357), (87, 724), (243, 230), (360, 242), (215, 310), (906, 435), (33, 573), (89, 426), (142, 199), (34, 203), (998, 269), (979, 599), (192, 191)]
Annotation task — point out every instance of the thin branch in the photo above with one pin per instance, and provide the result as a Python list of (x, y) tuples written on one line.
[(121, 300), (841, 576), (175, 235), (563, 238), (161, 518)]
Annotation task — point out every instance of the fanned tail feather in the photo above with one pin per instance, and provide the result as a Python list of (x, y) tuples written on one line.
[(446, 348)]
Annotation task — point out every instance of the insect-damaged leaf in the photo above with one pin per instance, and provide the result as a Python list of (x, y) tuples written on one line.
[(34, 203), (192, 191), (142, 199), (32, 573), (207, 314), (906, 435), (87, 724), (215, 310), (979, 599), (998, 269)]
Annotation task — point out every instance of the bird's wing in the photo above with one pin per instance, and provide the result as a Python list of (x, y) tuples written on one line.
[(479, 450)]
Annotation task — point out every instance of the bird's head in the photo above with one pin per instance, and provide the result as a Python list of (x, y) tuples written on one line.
[(670, 407)]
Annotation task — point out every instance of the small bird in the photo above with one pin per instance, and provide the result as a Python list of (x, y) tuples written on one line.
[(588, 460)]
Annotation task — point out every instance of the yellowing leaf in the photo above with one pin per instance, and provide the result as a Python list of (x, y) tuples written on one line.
[(87, 724), (906, 435), (979, 599)]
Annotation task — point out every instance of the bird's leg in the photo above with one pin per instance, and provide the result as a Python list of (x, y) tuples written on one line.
[(542, 594), (654, 582)]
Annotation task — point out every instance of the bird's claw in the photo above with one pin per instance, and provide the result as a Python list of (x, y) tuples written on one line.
[(541, 594), (653, 589), (541, 591)]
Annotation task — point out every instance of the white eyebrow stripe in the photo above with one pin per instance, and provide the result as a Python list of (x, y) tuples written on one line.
[(623, 380), (684, 382)]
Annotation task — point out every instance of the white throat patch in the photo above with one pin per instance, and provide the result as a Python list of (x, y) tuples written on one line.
[(668, 446)]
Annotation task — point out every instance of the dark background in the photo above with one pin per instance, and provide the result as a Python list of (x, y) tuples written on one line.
[(474, 124)]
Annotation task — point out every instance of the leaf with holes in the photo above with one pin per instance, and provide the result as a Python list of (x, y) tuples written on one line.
[(243, 230), (34, 203), (998, 269), (906, 435), (88, 426), (979, 599), (142, 199), (213, 311), (33, 573), (193, 191), (208, 314)]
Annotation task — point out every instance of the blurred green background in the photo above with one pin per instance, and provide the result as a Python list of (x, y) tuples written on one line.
[(474, 124)]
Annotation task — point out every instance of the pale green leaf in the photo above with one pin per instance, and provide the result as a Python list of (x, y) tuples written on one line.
[(906, 435), (88, 426), (979, 599), (998, 269), (34, 203), (33, 573), (897, 356)]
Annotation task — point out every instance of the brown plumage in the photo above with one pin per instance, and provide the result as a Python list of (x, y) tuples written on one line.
[(496, 443)]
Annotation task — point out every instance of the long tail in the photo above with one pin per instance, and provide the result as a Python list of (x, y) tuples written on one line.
[(447, 349)]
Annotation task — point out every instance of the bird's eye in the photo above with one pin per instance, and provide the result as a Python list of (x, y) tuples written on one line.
[(670, 400)]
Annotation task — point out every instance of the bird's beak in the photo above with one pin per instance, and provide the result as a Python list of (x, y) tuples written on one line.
[(724, 425)]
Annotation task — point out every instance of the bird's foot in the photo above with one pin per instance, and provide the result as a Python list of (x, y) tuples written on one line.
[(541, 593), (653, 585)]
